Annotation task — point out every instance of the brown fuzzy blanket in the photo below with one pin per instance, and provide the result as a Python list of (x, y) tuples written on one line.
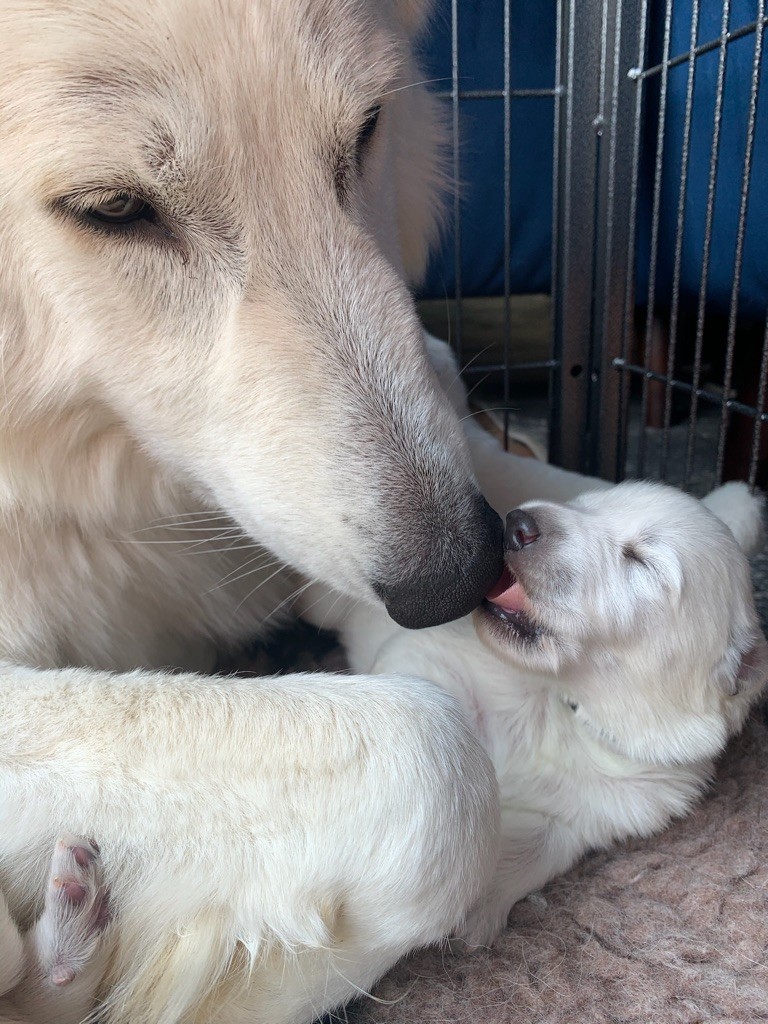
[(671, 930)]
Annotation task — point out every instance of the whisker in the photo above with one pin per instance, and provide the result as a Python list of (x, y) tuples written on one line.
[(329, 612), (413, 85), (231, 578), (333, 609), (250, 594), (200, 525), (184, 528), (186, 540), (479, 412), (250, 546), (291, 597), (192, 514), (474, 359)]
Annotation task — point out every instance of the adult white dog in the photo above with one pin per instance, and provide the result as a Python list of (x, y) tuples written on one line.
[(209, 213)]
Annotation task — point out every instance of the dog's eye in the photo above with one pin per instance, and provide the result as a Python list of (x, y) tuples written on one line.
[(367, 130), (122, 208), (114, 212)]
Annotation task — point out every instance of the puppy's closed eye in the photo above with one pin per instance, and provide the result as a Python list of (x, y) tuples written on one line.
[(657, 564)]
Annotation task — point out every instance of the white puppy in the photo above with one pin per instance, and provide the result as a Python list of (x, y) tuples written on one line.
[(606, 670)]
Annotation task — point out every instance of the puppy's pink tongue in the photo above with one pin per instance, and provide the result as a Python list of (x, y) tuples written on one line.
[(507, 593)]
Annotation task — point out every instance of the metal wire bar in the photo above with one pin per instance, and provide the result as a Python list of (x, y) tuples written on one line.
[(513, 368), (655, 218), (738, 258), (555, 378), (701, 312), (713, 44), (497, 94), (674, 313), (613, 280), (573, 299), (456, 139), (507, 207), (600, 118), (631, 255), (602, 269), (761, 416), (702, 393)]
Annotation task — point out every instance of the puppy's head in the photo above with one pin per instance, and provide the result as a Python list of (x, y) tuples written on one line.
[(638, 599)]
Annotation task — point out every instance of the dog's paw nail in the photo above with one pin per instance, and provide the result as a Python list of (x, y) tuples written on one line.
[(61, 975)]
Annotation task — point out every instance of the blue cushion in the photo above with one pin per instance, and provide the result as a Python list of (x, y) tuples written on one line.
[(533, 67)]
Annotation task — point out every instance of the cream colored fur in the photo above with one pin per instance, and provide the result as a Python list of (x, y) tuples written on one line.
[(192, 406), (643, 657), (255, 362), (266, 856)]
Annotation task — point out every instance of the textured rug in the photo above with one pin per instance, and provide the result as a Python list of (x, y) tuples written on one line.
[(671, 930)]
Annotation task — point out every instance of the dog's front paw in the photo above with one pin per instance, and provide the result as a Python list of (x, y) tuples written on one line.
[(484, 923), (75, 913)]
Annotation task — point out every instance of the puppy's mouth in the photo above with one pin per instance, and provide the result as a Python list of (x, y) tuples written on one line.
[(509, 606)]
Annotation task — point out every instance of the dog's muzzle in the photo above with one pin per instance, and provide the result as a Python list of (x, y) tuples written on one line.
[(454, 584)]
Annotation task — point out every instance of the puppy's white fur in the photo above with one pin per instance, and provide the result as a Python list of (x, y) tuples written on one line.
[(189, 403), (640, 655)]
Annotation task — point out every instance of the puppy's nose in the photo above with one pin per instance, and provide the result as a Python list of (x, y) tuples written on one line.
[(521, 530)]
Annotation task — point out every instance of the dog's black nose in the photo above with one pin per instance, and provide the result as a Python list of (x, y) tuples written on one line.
[(521, 530), (455, 577)]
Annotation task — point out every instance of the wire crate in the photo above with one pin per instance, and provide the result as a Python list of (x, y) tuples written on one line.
[(652, 371)]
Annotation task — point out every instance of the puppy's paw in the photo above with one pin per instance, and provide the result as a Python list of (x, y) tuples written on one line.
[(484, 923), (76, 910)]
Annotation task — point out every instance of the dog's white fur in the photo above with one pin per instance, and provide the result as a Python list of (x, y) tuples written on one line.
[(244, 372), (266, 857), (188, 403), (642, 655), (254, 362)]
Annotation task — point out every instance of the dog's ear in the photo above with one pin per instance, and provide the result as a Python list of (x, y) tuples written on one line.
[(753, 667), (413, 15), (745, 671), (742, 513)]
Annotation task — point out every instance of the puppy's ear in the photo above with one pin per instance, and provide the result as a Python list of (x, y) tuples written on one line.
[(413, 15), (745, 671), (742, 513)]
